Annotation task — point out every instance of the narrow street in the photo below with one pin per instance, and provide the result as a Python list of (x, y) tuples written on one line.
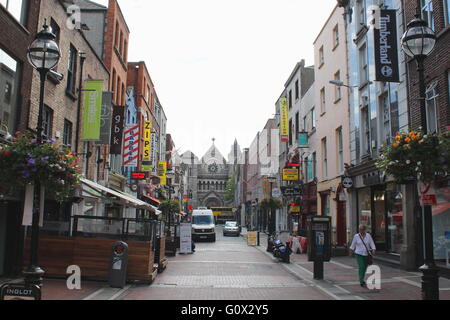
[(230, 270), (225, 270)]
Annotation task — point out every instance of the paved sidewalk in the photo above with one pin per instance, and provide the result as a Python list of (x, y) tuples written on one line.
[(341, 279)]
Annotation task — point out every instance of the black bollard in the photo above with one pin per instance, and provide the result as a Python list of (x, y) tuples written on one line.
[(318, 267)]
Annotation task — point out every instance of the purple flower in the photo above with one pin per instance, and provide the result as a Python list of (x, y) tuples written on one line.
[(31, 161)]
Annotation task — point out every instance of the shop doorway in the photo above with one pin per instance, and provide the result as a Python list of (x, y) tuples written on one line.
[(341, 224), (379, 218), (11, 242)]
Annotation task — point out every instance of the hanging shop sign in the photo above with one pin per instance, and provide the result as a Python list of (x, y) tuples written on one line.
[(386, 53), (106, 118), (162, 172), (131, 145), (291, 174), (284, 124), (92, 109), (138, 175), (347, 182), (303, 140), (117, 130)]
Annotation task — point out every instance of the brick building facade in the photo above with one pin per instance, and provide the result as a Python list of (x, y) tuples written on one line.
[(62, 97), (437, 67)]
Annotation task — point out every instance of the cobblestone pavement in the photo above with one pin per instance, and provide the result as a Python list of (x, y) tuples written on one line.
[(230, 270)]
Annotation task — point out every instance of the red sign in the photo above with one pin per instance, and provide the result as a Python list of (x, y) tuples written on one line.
[(190, 208), (429, 200), (138, 175)]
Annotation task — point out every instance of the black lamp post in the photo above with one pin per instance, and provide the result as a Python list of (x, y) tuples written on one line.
[(418, 42), (43, 54)]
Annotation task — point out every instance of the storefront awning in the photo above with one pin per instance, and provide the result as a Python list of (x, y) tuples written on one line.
[(129, 199)]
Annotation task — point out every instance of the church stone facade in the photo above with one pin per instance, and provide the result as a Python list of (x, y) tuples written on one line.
[(207, 178)]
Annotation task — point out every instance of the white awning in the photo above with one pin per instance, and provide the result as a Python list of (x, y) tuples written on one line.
[(129, 199)]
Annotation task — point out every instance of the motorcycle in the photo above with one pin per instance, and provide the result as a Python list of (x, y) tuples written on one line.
[(270, 242), (281, 251)]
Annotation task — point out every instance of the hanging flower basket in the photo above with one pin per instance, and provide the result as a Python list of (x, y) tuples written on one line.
[(415, 156), (25, 161)]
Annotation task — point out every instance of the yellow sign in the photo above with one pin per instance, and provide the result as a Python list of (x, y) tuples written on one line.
[(295, 209), (252, 238), (147, 140), (290, 175), (284, 123), (162, 172)]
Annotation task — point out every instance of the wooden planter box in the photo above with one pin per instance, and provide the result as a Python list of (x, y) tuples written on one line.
[(93, 256)]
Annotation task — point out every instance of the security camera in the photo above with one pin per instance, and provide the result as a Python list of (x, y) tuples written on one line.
[(57, 75)]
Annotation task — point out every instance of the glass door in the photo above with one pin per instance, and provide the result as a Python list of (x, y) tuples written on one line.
[(395, 218), (379, 218)]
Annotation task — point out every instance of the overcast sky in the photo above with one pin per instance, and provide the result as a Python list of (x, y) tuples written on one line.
[(220, 65)]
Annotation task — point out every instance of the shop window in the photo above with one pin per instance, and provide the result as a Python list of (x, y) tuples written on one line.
[(337, 89), (363, 66), (365, 208), (9, 82), (385, 117)]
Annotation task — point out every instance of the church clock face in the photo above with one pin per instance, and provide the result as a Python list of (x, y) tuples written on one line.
[(213, 168)]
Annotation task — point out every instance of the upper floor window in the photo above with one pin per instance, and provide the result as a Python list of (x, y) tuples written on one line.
[(290, 99), (431, 107), (337, 89), (324, 159), (360, 14), (363, 67), (447, 12), (17, 8), (9, 84), (71, 70), (67, 138), (47, 123), (336, 36), (427, 12), (313, 118), (385, 115), (297, 89), (322, 101), (340, 149), (321, 57)]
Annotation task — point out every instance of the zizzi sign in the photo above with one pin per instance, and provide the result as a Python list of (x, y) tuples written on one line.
[(386, 53)]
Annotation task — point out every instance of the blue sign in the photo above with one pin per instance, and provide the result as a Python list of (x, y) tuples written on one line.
[(447, 235)]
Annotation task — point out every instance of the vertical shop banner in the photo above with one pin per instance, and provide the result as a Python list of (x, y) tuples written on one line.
[(386, 51), (106, 118), (146, 162), (131, 145), (284, 125), (117, 130), (92, 109), (162, 172), (153, 150)]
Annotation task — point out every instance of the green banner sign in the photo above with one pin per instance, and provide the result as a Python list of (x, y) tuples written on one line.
[(93, 90)]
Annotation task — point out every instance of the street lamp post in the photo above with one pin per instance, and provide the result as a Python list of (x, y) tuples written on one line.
[(43, 54), (418, 42)]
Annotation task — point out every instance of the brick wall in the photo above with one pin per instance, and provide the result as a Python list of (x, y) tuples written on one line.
[(65, 106), (15, 42), (437, 65)]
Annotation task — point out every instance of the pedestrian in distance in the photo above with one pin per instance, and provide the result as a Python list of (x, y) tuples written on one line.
[(364, 249)]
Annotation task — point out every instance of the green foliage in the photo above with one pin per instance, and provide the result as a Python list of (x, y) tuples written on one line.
[(270, 204), (25, 161), (416, 156), (230, 189), (169, 209)]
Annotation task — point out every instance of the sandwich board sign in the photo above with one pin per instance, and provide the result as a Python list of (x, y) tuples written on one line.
[(185, 238)]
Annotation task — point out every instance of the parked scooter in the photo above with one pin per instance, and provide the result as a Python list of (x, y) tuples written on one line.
[(281, 251), (270, 242)]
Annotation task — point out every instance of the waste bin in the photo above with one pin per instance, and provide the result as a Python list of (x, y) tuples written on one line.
[(119, 264)]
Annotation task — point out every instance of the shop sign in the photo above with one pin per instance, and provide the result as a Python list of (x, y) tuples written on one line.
[(92, 110), (276, 192), (303, 140), (106, 118), (139, 175), (252, 238), (347, 182), (291, 174), (427, 194), (284, 125), (294, 191), (162, 172), (386, 51), (117, 130)]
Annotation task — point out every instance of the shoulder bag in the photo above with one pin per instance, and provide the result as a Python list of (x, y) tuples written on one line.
[(370, 257)]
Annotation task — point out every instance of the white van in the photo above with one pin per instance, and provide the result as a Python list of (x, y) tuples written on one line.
[(203, 226)]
